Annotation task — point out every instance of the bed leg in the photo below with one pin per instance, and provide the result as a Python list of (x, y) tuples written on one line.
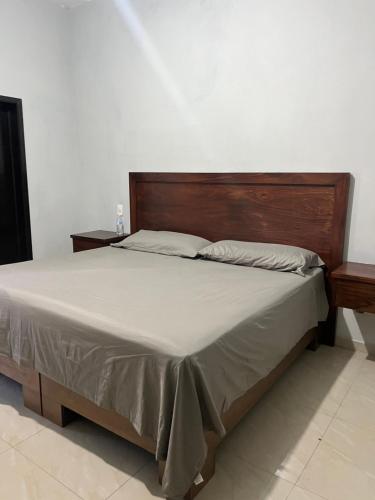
[(314, 344), (52, 409), (32, 398), (315, 339), (329, 331), (207, 473), (55, 412)]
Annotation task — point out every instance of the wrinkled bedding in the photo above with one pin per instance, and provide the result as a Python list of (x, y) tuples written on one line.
[(165, 341)]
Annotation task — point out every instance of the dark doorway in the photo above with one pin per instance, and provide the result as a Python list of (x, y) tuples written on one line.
[(15, 235)]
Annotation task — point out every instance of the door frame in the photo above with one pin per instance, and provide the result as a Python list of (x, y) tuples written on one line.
[(17, 103)]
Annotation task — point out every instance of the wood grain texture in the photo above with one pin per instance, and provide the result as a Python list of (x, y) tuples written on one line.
[(95, 239), (354, 286), (82, 245), (99, 236), (355, 271), (306, 210), (355, 295)]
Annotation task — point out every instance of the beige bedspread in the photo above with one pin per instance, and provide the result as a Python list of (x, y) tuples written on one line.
[(165, 341)]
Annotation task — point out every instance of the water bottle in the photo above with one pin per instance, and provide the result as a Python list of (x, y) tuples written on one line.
[(120, 220)]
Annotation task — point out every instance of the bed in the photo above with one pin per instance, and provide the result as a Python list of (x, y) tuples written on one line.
[(168, 352)]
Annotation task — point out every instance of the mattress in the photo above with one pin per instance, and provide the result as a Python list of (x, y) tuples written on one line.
[(165, 341)]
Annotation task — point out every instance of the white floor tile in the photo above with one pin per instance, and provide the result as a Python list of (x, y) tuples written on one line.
[(144, 486), (355, 444), (277, 441), (358, 406), (234, 480), (20, 479), (342, 363), (332, 475), (3, 446), (17, 423), (308, 385), (237, 480), (300, 494), (88, 459)]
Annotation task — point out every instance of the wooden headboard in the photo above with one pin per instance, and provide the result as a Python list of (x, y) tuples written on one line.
[(301, 209)]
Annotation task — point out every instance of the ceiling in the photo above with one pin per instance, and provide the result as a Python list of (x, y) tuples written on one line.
[(69, 4)]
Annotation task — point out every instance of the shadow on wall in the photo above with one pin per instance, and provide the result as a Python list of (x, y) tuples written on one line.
[(356, 331), (349, 216)]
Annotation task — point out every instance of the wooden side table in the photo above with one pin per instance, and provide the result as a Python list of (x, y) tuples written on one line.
[(354, 286), (95, 239)]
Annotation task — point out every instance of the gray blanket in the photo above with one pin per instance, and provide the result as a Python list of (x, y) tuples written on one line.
[(165, 341)]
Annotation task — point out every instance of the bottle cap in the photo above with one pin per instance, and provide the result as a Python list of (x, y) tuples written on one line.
[(120, 209)]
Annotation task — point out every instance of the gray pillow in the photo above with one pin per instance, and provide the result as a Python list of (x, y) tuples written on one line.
[(164, 242), (264, 255)]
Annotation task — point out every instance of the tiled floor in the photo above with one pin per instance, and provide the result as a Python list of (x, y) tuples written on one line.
[(311, 437)]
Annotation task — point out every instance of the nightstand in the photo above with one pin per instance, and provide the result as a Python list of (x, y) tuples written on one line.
[(94, 239), (354, 286)]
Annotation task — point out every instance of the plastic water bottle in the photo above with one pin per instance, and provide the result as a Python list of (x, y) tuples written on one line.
[(120, 220)]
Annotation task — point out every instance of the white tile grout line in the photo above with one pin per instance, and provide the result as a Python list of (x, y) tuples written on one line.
[(329, 425), (56, 478), (44, 428), (347, 393), (66, 486), (14, 447), (324, 433), (6, 449), (332, 417), (49, 474), (27, 438), (119, 488), (129, 478), (309, 460), (307, 491)]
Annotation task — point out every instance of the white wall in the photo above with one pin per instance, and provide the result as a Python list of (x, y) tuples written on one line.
[(35, 66), (246, 85)]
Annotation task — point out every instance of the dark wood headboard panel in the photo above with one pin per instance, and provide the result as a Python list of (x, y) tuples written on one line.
[(301, 209)]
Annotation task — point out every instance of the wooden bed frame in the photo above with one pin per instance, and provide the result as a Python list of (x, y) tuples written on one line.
[(301, 209)]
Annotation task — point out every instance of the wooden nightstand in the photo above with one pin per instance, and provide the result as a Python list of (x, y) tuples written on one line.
[(354, 286), (94, 239)]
